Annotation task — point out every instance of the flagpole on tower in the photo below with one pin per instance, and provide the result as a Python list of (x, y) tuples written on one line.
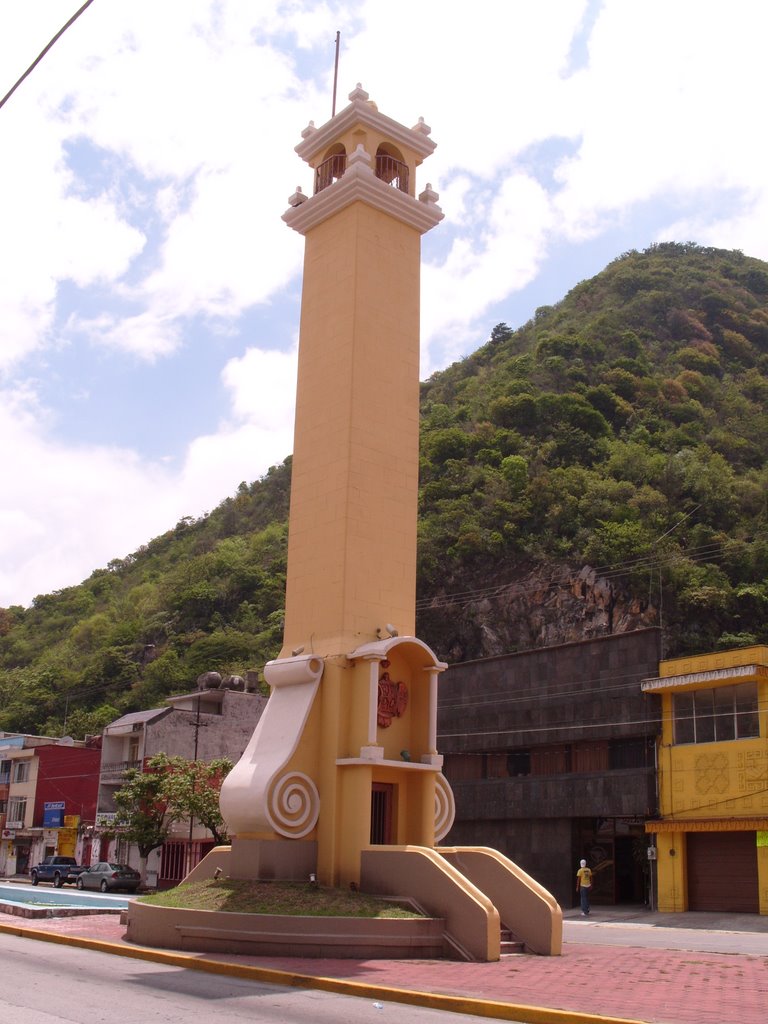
[(335, 74)]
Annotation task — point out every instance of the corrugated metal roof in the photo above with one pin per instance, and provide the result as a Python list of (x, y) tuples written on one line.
[(136, 718)]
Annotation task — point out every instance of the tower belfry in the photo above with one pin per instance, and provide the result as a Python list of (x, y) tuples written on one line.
[(352, 536)]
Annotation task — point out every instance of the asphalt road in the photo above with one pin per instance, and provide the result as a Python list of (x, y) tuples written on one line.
[(51, 984)]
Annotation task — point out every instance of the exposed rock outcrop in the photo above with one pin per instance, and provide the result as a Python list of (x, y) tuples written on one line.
[(538, 609)]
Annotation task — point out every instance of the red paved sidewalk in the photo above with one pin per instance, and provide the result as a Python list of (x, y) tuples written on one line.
[(655, 985)]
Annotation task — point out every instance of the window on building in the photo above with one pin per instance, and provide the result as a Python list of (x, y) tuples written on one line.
[(17, 809), (3, 806), (21, 771), (631, 752), (5, 772), (519, 763), (711, 716)]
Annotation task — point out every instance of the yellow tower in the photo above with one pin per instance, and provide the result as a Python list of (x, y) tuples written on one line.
[(342, 780), (345, 753), (352, 540)]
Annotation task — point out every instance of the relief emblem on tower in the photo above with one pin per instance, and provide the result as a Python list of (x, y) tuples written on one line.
[(393, 699)]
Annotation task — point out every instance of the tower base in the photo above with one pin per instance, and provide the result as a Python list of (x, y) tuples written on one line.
[(272, 860)]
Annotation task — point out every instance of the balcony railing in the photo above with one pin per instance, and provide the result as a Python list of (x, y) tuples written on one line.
[(118, 768), (393, 172), (329, 170)]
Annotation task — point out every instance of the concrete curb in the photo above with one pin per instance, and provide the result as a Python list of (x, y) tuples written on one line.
[(450, 1004)]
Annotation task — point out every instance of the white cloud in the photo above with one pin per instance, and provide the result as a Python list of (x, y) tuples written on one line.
[(667, 107), (66, 506), (69, 510), (257, 432), (146, 335), (745, 230), (149, 157), (504, 257)]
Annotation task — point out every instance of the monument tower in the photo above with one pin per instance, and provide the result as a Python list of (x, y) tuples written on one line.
[(345, 752), (352, 538), (342, 780)]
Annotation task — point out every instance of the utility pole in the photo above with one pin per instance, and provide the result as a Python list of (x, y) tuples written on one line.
[(190, 865)]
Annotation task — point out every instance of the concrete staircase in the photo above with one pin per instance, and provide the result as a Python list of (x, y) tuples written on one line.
[(510, 944)]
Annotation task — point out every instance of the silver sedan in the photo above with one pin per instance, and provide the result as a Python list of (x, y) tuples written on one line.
[(109, 877)]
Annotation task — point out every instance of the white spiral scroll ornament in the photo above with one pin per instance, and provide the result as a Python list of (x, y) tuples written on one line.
[(293, 805), (445, 808)]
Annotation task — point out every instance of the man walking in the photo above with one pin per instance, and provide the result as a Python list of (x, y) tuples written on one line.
[(583, 886)]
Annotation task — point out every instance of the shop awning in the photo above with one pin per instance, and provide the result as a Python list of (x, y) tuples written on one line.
[(712, 825)]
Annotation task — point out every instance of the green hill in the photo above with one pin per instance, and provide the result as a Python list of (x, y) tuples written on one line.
[(599, 469)]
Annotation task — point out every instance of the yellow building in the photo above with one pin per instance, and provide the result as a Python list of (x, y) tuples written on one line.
[(711, 841)]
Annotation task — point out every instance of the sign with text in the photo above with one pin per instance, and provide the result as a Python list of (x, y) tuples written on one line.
[(53, 814)]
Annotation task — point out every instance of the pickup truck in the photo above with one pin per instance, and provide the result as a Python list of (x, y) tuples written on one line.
[(59, 870)]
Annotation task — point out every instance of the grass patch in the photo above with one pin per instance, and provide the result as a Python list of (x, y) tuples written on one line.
[(239, 896)]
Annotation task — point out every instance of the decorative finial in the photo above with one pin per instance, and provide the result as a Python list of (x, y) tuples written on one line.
[(422, 127), (309, 130), (429, 196), (297, 198), (358, 93), (359, 156)]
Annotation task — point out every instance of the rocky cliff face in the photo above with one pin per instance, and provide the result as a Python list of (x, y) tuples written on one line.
[(539, 609)]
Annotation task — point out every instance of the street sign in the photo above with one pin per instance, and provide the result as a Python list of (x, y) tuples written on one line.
[(53, 814)]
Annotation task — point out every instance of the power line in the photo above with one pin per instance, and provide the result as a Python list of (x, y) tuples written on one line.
[(43, 52), (715, 551), (531, 693)]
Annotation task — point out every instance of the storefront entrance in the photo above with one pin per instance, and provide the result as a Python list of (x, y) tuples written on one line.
[(722, 872), (615, 850), (22, 852)]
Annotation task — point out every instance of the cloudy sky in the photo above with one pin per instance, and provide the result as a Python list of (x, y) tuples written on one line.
[(149, 290)]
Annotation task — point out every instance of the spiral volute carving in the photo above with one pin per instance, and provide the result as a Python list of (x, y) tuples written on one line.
[(293, 805), (445, 808)]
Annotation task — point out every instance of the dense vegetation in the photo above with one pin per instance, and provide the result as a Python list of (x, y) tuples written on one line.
[(625, 428)]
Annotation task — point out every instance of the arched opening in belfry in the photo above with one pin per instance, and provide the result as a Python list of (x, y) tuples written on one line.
[(332, 168), (391, 167)]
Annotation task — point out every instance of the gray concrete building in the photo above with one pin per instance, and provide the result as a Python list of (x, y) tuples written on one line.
[(198, 726), (551, 757)]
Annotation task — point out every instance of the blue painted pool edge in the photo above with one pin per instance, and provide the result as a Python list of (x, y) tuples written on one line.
[(24, 895)]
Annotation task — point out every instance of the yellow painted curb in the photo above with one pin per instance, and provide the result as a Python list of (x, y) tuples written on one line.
[(449, 1004)]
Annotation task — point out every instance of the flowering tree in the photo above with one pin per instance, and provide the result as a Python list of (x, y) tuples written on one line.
[(191, 790), (143, 816), (171, 789)]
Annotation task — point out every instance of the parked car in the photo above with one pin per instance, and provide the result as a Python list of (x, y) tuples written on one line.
[(109, 877), (56, 869)]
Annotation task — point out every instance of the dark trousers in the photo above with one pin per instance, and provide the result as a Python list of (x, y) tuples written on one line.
[(584, 895)]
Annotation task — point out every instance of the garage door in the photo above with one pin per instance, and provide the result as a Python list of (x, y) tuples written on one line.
[(722, 872)]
